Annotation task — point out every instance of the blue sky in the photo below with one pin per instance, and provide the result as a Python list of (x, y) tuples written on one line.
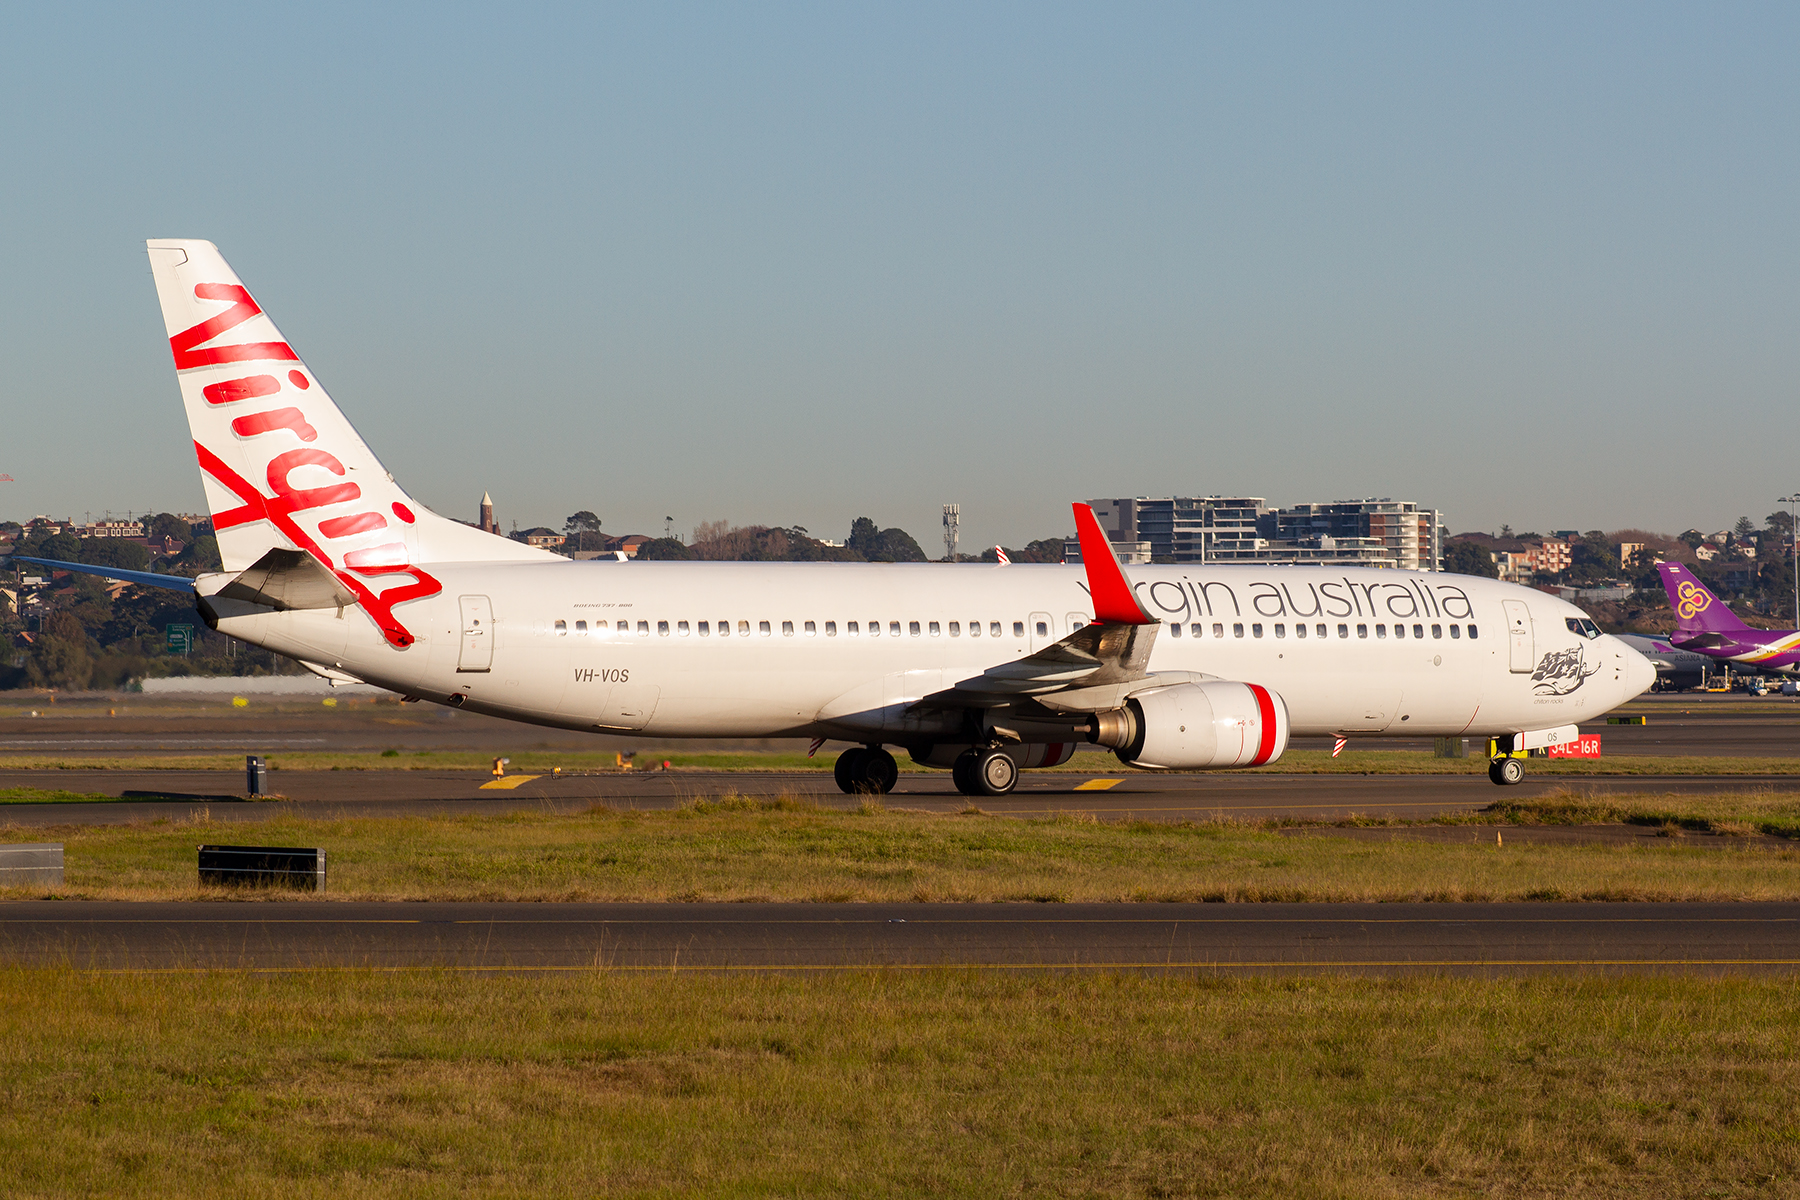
[(797, 264)]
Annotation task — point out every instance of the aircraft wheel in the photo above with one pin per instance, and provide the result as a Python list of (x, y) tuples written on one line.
[(879, 772), (962, 771), (995, 773), (848, 770), (1506, 771)]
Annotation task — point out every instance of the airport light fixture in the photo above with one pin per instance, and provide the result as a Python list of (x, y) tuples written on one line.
[(1793, 547)]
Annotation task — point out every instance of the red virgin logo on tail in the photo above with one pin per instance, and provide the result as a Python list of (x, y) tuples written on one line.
[(185, 345)]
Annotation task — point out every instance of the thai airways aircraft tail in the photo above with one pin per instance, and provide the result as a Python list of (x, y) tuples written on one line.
[(284, 472), (1698, 613)]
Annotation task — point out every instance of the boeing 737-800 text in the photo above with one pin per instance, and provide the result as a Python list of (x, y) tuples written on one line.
[(983, 669)]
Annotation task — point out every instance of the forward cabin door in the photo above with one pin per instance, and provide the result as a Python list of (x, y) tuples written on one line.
[(477, 652), (1522, 655)]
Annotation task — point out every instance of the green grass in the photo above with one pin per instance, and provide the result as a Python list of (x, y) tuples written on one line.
[(31, 795), (870, 1084), (787, 849)]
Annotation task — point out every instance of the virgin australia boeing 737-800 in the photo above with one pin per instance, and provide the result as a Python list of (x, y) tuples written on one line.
[(983, 669)]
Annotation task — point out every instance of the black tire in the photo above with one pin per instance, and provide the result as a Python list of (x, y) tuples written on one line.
[(879, 771), (849, 769), (962, 771), (995, 773), (1506, 771)]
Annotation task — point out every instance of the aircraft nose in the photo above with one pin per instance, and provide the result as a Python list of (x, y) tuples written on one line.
[(1640, 672)]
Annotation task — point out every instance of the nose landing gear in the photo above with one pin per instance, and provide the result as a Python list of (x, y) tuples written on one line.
[(1506, 770), (868, 770)]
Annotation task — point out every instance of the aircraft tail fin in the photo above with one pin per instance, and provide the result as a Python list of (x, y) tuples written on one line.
[(1697, 610), (282, 467)]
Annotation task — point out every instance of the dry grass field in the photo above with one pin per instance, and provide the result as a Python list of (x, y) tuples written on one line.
[(360, 1084), (739, 848)]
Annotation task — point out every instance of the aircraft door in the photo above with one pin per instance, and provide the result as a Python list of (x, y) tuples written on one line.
[(477, 653), (1041, 631), (1522, 654), (1077, 620)]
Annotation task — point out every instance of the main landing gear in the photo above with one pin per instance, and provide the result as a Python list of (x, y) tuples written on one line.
[(868, 770), (985, 773), (1507, 770)]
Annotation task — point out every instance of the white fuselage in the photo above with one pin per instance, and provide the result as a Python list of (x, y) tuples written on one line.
[(688, 649)]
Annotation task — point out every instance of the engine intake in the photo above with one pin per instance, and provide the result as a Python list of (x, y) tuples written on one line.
[(1196, 727)]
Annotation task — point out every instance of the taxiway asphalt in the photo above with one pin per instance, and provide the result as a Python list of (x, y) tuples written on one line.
[(1215, 939), (1119, 795)]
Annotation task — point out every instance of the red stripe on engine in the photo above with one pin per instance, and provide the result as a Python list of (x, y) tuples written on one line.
[(1265, 705)]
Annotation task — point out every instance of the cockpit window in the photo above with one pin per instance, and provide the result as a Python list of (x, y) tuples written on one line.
[(1583, 627)]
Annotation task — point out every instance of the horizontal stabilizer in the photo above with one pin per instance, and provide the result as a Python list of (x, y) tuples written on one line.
[(287, 579), (175, 583)]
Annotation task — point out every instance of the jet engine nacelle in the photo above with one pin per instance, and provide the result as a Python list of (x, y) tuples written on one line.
[(1196, 727)]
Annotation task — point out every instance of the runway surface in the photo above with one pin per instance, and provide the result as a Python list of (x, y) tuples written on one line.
[(1118, 795), (1201, 938)]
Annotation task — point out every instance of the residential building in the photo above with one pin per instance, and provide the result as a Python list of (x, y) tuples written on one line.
[(110, 528), (1414, 537), (1548, 556), (1243, 529)]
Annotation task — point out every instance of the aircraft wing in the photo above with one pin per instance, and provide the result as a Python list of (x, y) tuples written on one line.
[(175, 583), (1111, 650)]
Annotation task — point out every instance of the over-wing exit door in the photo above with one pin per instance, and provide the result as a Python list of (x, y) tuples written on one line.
[(477, 652)]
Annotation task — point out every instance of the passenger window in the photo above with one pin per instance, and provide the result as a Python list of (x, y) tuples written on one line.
[(1175, 629), (1437, 631), (1299, 631), (787, 629), (1281, 631), (1237, 630), (662, 629), (1320, 630), (762, 627), (1381, 630), (994, 629), (562, 629), (874, 628), (851, 629), (935, 631), (643, 629), (831, 629), (581, 627), (1256, 630), (955, 629), (681, 629), (1474, 633), (624, 626), (1018, 629), (1456, 631), (704, 629), (1362, 631), (1343, 631), (810, 630), (1043, 630), (1219, 629), (1196, 629), (974, 628), (912, 627), (1419, 631), (894, 629), (744, 628)]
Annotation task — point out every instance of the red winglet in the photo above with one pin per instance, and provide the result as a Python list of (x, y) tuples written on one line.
[(1114, 600)]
